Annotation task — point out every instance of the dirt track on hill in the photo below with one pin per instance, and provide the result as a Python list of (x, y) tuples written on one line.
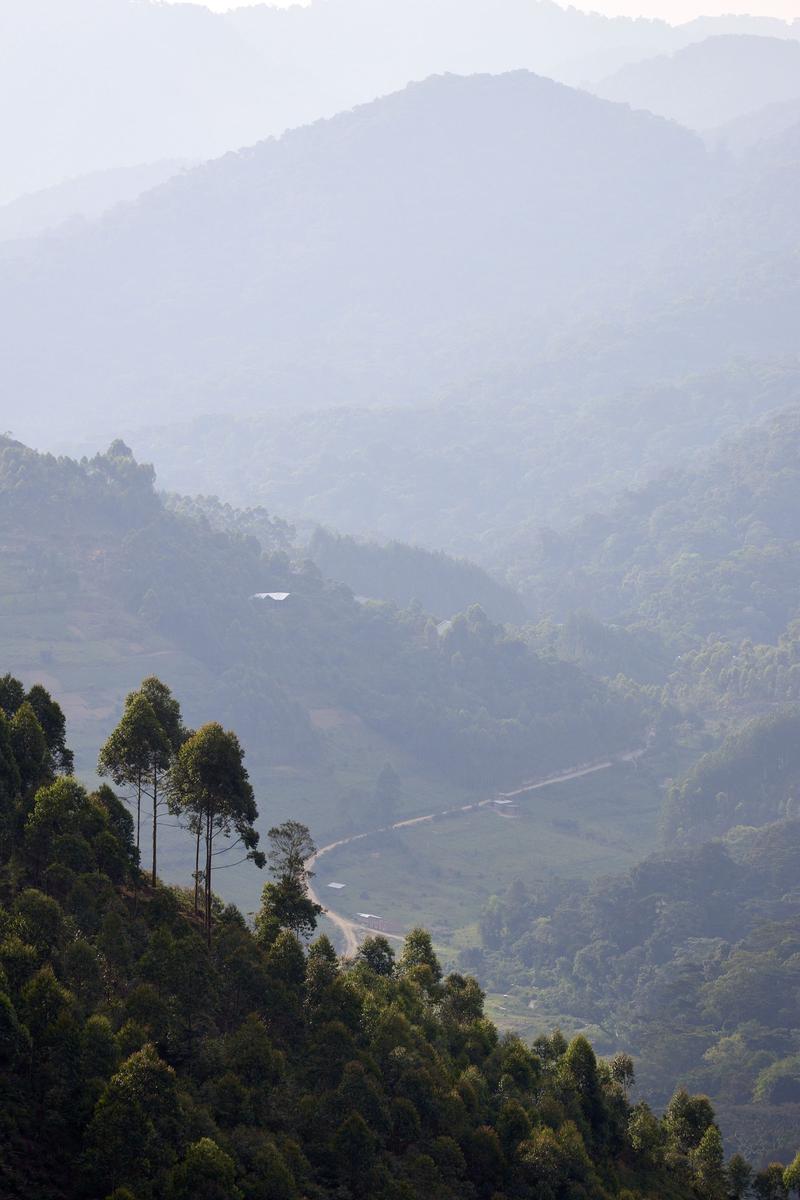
[(351, 929)]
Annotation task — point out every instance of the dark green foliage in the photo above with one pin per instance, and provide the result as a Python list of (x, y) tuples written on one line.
[(210, 788), (138, 754), (702, 553), (139, 1058), (54, 727), (285, 903), (689, 959), (752, 779), (29, 747), (377, 954), (38, 708)]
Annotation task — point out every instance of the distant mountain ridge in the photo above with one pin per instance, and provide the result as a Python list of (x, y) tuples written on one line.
[(217, 81), (84, 199), (372, 257), (709, 83)]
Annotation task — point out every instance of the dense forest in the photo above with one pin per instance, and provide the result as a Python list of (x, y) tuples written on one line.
[(520, 448), (469, 372), (700, 551), (691, 958), (466, 699), (409, 574), (149, 1050), (485, 705)]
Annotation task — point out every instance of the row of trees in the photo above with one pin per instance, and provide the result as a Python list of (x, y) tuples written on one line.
[(199, 777)]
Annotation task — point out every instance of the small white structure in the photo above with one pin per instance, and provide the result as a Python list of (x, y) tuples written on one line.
[(373, 922), (277, 596), (509, 808)]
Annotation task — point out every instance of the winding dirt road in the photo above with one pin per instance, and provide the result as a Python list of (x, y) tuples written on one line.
[(351, 929)]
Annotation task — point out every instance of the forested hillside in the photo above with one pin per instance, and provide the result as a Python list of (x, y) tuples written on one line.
[(194, 83), (471, 544), (709, 83), (149, 1053), (690, 959), (396, 572), (83, 199), (104, 584), (471, 475), (311, 303), (408, 574), (698, 552)]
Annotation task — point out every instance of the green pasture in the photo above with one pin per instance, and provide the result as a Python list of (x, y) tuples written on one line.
[(441, 873)]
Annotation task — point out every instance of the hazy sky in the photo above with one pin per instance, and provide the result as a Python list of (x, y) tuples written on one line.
[(670, 10)]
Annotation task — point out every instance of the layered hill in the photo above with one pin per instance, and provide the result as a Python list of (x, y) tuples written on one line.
[(98, 84), (709, 551), (478, 473), (726, 291), (373, 256), (103, 585), (83, 199), (743, 134), (711, 82)]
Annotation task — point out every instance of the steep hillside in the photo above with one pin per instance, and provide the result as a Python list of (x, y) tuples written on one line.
[(118, 83), (103, 585), (408, 574), (709, 551), (689, 959), (740, 136), (396, 572), (141, 1058), (515, 451), (726, 291), (85, 198), (371, 257), (102, 84), (710, 82)]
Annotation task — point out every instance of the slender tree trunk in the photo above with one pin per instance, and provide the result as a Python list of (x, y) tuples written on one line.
[(209, 850), (197, 868), (138, 826), (155, 822), (138, 807)]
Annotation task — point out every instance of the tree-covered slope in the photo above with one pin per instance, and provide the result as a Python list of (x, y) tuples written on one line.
[(725, 291), (176, 80), (407, 574), (374, 256), (105, 584), (710, 550), (690, 959), (139, 1059), (518, 449), (711, 82), (84, 198), (396, 572)]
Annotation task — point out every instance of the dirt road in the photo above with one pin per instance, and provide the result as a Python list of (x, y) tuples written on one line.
[(351, 929)]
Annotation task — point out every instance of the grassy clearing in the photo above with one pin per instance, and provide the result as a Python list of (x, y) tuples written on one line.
[(440, 874)]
